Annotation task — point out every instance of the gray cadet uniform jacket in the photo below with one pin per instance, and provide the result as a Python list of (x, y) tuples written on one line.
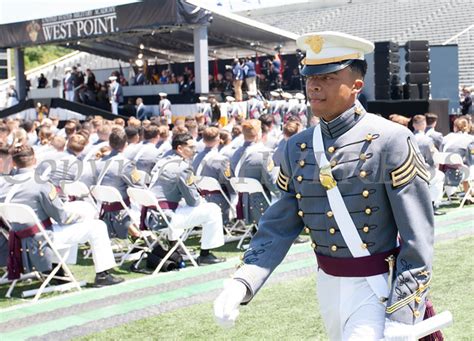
[(43, 198), (427, 149), (211, 163), (121, 174), (257, 163), (174, 181), (383, 182), (64, 166), (436, 136)]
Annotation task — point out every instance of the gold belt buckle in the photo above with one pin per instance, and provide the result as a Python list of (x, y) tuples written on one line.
[(326, 178)]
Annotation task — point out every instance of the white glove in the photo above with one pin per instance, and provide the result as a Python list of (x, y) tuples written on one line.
[(226, 305), (397, 331)]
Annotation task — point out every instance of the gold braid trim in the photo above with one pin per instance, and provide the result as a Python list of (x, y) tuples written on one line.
[(409, 298)]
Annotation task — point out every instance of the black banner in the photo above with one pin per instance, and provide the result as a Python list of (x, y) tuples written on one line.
[(101, 22)]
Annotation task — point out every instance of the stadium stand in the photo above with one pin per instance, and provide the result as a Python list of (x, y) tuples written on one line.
[(437, 21)]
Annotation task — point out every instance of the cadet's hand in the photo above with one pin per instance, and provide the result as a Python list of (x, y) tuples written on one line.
[(226, 305), (397, 331)]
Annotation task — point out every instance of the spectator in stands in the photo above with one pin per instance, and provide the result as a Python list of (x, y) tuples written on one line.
[(115, 94), (295, 80), (250, 74), (466, 101), (237, 79), (164, 78), (68, 84), (42, 81), (12, 96), (275, 81), (140, 77), (165, 107)]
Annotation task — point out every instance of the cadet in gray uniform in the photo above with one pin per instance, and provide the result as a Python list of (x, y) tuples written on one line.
[(173, 182), (147, 155), (68, 229), (436, 136), (211, 163), (253, 160), (117, 171), (65, 166), (376, 167)]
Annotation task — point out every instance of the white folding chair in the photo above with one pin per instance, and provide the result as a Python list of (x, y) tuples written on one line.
[(108, 194), (144, 197), (249, 186), (24, 215), (206, 183), (451, 159), (469, 177), (78, 190)]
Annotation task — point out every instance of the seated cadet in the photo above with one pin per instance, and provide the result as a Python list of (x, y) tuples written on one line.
[(462, 143), (68, 229), (254, 160), (211, 163), (117, 171), (133, 142), (427, 149), (163, 145), (147, 154), (436, 136), (64, 166), (175, 181)]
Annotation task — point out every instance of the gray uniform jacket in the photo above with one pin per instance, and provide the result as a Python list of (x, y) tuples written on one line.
[(43, 198), (64, 166), (175, 181), (258, 165), (427, 149), (216, 166), (385, 187), (121, 174), (436, 136)]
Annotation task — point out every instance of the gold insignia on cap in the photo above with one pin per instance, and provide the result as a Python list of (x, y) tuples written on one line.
[(135, 176), (412, 167), (270, 165), (315, 43), (53, 193), (283, 181), (190, 179)]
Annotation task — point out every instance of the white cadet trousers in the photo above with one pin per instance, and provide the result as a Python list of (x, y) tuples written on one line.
[(349, 308), (114, 107), (90, 230), (436, 186), (208, 215), (69, 95)]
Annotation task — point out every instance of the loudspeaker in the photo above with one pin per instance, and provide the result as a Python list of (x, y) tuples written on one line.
[(418, 70), (386, 69)]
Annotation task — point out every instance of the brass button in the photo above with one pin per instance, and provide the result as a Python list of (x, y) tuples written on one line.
[(418, 300), (301, 163), (366, 229), (368, 211), (298, 195), (362, 156), (330, 214), (332, 230), (333, 163), (364, 246), (369, 137), (313, 245), (334, 248), (363, 174), (303, 146), (41, 254), (358, 111), (299, 178), (365, 193), (331, 149), (422, 287), (306, 229), (300, 213), (33, 268), (416, 313)]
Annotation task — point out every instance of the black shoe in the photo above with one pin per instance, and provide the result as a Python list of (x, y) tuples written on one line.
[(300, 240), (104, 278), (209, 259), (436, 212)]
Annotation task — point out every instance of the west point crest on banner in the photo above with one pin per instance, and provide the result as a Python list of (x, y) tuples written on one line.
[(74, 25)]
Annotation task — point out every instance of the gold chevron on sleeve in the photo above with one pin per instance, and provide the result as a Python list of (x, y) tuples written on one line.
[(283, 181), (412, 166)]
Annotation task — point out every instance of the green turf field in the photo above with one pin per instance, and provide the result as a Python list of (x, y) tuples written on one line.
[(288, 311)]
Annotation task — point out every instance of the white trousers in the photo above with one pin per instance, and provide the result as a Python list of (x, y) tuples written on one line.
[(208, 215), (69, 95), (251, 84), (92, 231), (114, 107), (436, 186), (349, 308)]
